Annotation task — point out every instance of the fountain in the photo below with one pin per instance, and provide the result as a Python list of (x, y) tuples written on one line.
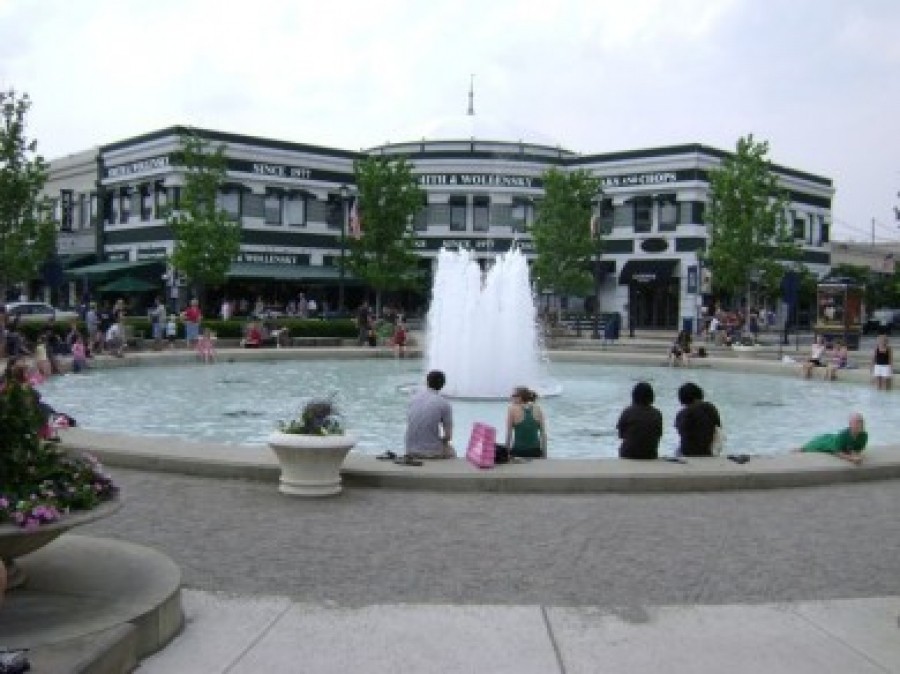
[(482, 327)]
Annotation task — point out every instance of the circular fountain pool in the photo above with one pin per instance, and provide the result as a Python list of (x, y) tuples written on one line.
[(242, 403)]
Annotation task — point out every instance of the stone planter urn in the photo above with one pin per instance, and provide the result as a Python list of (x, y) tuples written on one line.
[(310, 464), (18, 542)]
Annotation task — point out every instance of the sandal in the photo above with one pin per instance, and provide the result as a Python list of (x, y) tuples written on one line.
[(408, 461), (387, 456)]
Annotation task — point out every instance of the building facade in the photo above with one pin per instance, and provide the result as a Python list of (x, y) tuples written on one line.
[(292, 201)]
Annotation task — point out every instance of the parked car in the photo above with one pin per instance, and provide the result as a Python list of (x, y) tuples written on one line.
[(38, 312), (882, 320)]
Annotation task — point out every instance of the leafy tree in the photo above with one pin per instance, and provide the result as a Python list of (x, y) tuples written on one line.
[(383, 255), (749, 235), (27, 233), (206, 238), (562, 233)]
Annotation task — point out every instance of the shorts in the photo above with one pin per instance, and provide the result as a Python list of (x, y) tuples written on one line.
[(882, 371)]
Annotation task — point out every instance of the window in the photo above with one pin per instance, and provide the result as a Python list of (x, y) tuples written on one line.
[(162, 200), (606, 214), (799, 226), (643, 214), (124, 205), (481, 213), (146, 202), (294, 210), (84, 212), (623, 216), (522, 214), (110, 208), (95, 209), (823, 231), (668, 213), (420, 220), (334, 217), (253, 206), (273, 208), (134, 208), (229, 200), (458, 214), (690, 213)]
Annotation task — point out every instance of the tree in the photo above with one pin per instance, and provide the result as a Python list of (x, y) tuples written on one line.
[(206, 238), (749, 235), (562, 233), (383, 254), (27, 232)]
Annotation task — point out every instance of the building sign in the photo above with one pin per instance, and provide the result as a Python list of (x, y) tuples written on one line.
[(138, 167), (489, 246), (478, 180), (267, 258), (281, 171), (152, 253), (653, 178), (118, 256)]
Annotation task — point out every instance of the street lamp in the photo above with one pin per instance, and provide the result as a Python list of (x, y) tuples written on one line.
[(345, 214)]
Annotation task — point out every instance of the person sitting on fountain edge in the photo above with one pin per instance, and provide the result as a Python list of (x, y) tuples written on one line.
[(696, 422), (429, 422), (640, 425)]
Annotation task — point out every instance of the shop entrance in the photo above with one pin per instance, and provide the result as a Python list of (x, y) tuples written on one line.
[(654, 304)]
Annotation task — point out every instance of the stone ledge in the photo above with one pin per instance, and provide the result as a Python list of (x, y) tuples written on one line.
[(550, 476)]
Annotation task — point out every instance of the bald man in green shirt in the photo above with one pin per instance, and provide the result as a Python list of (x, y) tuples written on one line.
[(846, 444)]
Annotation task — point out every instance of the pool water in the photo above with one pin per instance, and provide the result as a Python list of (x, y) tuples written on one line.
[(241, 403)]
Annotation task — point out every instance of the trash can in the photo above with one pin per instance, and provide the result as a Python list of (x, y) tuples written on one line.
[(687, 324)]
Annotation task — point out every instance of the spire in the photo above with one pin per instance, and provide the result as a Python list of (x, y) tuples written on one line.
[(471, 111)]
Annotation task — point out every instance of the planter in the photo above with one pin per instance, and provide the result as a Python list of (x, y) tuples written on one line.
[(17, 542), (310, 464)]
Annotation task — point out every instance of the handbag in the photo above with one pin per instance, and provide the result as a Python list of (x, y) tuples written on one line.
[(481, 451), (718, 441)]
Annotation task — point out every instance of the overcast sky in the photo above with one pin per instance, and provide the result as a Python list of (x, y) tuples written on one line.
[(818, 79)]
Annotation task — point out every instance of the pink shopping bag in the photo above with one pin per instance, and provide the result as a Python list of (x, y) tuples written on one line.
[(480, 452)]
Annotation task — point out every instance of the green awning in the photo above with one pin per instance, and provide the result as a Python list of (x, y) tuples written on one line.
[(104, 268), (284, 272), (74, 259)]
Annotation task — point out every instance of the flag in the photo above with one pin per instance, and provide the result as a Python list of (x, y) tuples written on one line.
[(355, 222)]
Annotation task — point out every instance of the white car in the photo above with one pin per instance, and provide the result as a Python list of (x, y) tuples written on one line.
[(37, 312)]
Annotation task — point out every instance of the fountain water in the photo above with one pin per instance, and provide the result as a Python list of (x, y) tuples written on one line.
[(482, 327)]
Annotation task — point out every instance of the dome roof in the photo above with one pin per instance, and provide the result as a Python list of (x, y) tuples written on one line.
[(478, 127)]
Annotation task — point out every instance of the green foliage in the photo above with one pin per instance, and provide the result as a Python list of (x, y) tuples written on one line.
[(27, 234), (206, 239), (389, 198), (40, 482), (318, 417), (562, 235), (749, 237)]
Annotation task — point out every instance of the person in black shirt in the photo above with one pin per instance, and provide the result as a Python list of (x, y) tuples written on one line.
[(696, 422), (640, 425)]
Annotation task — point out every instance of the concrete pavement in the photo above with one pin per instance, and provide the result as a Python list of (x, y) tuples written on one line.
[(241, 635)]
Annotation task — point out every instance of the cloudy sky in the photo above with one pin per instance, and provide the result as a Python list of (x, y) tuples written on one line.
[(818, 79)]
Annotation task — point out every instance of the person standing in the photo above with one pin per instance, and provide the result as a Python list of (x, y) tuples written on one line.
[(192, 317), (526, 428), (882, 364), (640, 425), (429, 422), (696, 422), (157, 319), (846, 444)]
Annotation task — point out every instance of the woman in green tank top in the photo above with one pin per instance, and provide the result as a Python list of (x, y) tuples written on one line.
[(526, 430)]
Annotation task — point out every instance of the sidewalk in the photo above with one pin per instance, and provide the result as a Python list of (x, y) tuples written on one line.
[(249, 635)]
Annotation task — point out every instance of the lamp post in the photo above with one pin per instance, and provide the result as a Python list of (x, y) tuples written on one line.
[(345, 214)]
